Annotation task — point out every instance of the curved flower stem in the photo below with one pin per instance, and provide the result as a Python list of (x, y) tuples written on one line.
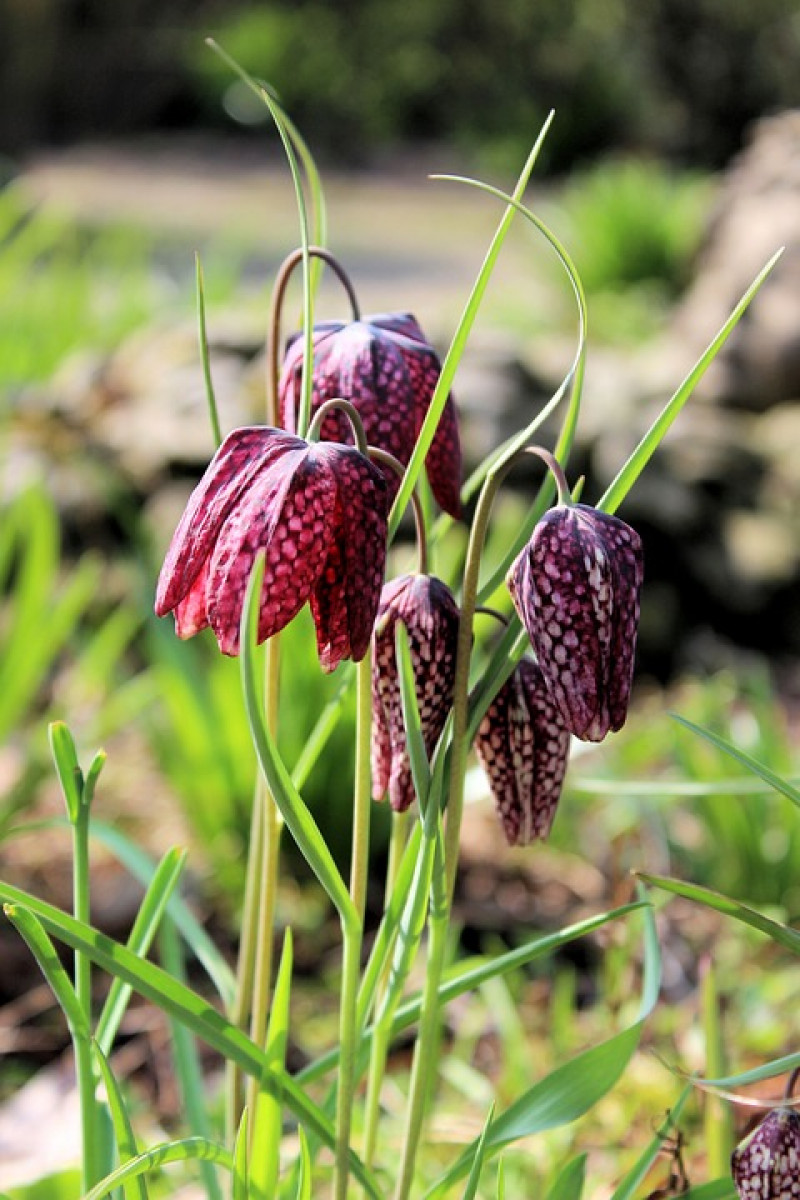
[(353, 930), (288, 265), (352, 414), (388, 460), (556, 470), (791, 1083)]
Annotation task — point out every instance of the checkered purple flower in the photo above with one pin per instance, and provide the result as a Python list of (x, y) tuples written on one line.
[(523, 747), (387, 369), (426, 607), (576, 588), (318, 514), (766, 1166)]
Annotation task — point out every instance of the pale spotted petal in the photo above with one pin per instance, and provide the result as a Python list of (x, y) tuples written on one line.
[(523, 747), (576, 587), (766, 1166)]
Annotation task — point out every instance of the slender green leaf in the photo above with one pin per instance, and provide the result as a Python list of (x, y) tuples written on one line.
[(390, 922), (140, 939), (629, 1187), (463, 329), (135, 1189), (205, 359), (471, 1190), (622, 483), (752, 764), (570, 1180), (276, 112), (778, 1066), (294, 811), (31, 930), (239, 1188), (193, 1010), (304, 1178), (718, 1189), (185, 1150), (717, 1118), (420, 767), (267, 1123), (782, 934), (70, 776)]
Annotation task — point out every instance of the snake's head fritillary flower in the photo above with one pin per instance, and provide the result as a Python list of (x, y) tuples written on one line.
[(426, 607), (523, 747), (766, 1166), (576, 587), (317, 512), (388, 370)]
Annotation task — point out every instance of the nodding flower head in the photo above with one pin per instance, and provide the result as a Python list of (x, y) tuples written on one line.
[(576, 588), (766, 1165), (387, 369), (426, 607), (523, 747), (317, 512)]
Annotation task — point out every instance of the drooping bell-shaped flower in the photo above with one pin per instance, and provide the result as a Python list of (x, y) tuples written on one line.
[(766, 1165), (387, 369), (317, 511), (523, 747), (426, 607), (576, 587)]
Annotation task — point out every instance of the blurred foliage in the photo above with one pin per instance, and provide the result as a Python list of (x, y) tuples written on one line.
[(682, 77)]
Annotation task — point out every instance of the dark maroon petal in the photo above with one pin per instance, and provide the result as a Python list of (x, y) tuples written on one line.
[(288, 517), (385, 367), (238, 462), (766, 1166), (290, 383), (405, 324), (345, 598), (427, 608), (576, 588), (523, 747)]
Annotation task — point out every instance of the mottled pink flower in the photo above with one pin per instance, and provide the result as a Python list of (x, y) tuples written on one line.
[(386, 368), (576, 588), (427, 608), (766, 1166), (318, 514), (523, 747)]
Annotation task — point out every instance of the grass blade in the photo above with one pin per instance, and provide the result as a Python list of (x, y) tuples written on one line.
[(570, 1181), (622, 483), (463, 329), (758, 768), (184, 1150), (135, 1189), (211, 400), (267, 1125), (782, 934), (294, 811)]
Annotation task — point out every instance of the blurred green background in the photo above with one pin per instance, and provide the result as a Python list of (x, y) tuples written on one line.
[(681, 78)]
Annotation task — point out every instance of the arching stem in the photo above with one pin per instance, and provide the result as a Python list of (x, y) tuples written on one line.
[(352, 414), (388, 460), (288, 265), (556, 470)]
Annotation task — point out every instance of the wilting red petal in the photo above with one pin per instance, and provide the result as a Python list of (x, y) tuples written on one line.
[(242, 457), (427, 608), (345, 596), (576, 587), (288, 517), (523, 747), (766, 1166)]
